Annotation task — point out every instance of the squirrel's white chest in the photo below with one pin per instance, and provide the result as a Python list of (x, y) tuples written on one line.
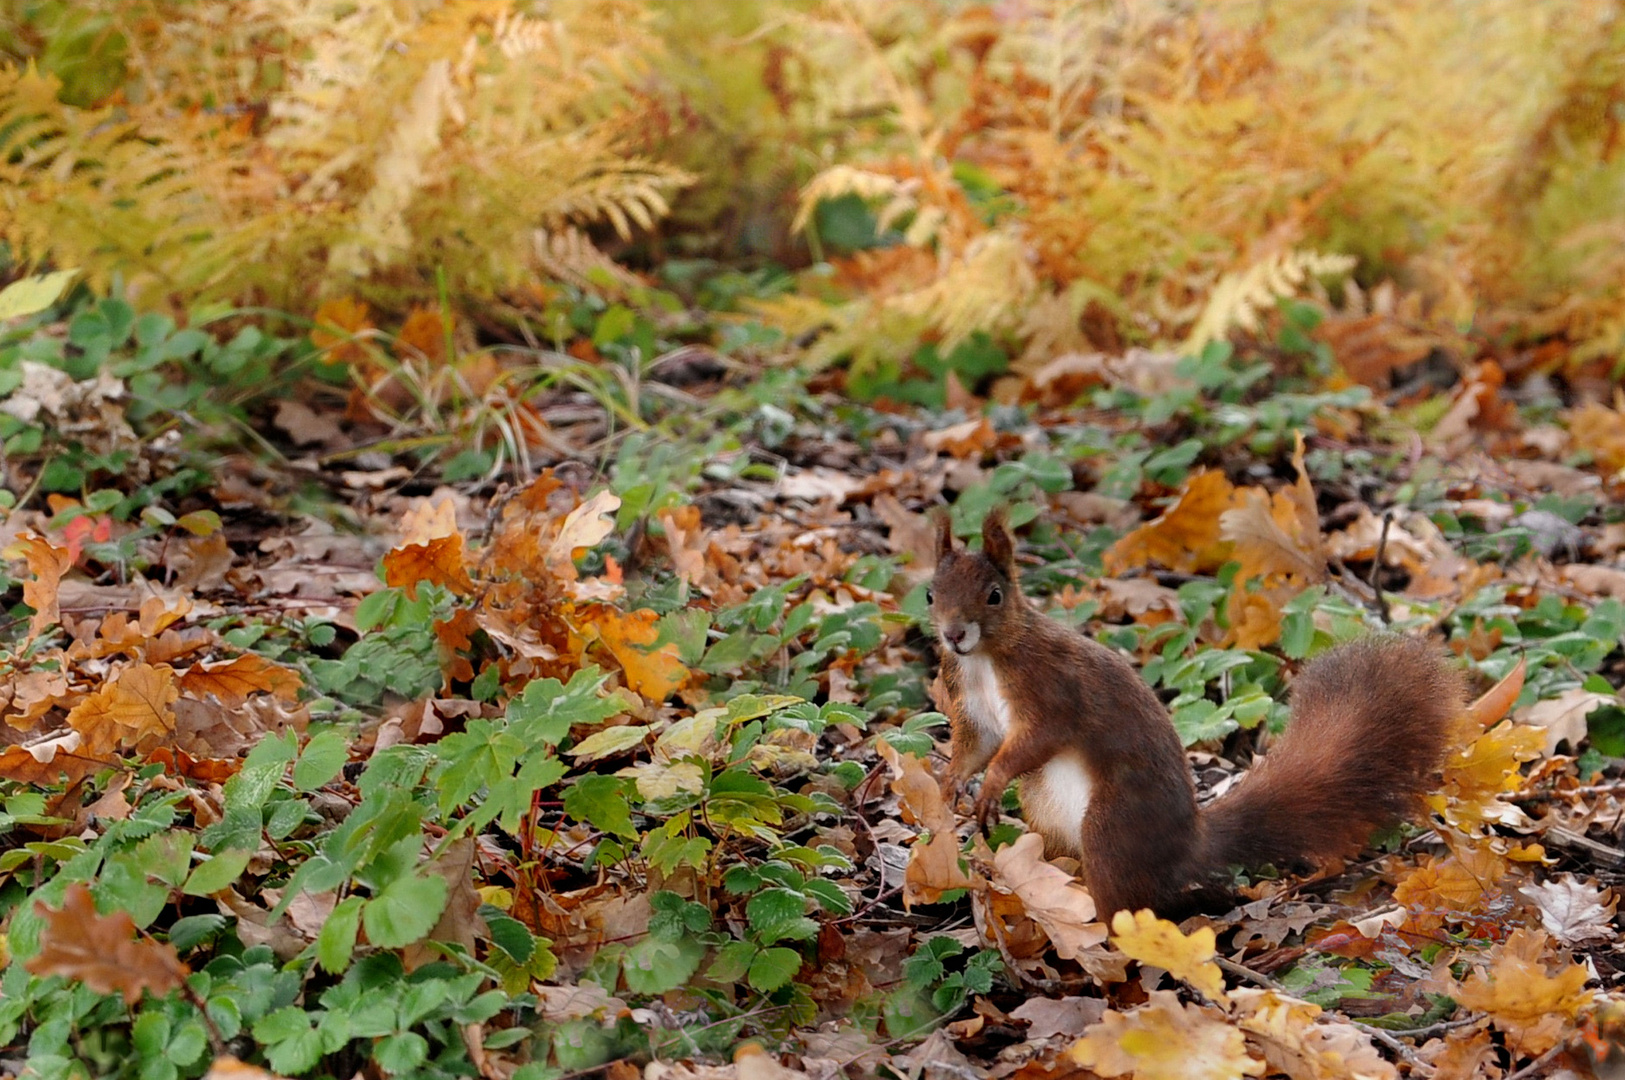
[(983, 697)]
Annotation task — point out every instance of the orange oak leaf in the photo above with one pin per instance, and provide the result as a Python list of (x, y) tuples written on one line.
[(134, 705), (1186, 536), (47, 563), (427, 521), (440, 561), (338, 323), (54, 761), (1533, 1007), (654, 673), (103, 951), (422, 336), (234, 681)]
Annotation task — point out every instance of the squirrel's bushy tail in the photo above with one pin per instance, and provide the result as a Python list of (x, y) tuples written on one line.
[(1371, 720)]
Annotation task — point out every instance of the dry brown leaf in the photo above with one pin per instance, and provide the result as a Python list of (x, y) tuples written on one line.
[(933, 867), (1047, 1017), (47, 563), (1563, 718), (1051, 896), (584, 527), (1571, 911), (1601, 431), (1279, 534), (655, 673), (233, 681), (102, 951), (136, 704), (686, 539), (305, 426), (971, 439), (1297, 1042)]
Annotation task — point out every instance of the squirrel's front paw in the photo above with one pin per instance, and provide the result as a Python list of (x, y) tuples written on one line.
[(987, 811)]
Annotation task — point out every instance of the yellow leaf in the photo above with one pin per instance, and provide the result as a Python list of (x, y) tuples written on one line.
[(31, 295), (1166, 1040), (609, 741), (659, 780), (1151, 940), (1535, 1009)]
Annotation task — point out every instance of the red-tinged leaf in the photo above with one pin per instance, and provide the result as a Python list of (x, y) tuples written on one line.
[(55, 761), (209, 770), (1498, 699), (234, 681), (103, 951)]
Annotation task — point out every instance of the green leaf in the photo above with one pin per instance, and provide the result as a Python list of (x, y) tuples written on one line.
[(322, 759), (601, 801), (31, 295), (194, 930), (544, 713), (401, 1052), (292, 1045), (404, 910), (217, 874), (732, 962), (654, 967), (509, 934), (778, 915), (336, 942), (774, 967)]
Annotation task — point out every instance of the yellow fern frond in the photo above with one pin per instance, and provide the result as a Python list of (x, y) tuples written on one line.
[(1238, 298)]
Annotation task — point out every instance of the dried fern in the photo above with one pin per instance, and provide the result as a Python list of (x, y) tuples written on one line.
[(1238, 299)]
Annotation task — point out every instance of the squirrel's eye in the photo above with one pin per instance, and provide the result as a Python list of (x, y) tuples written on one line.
[(930, 597), (995, 596)]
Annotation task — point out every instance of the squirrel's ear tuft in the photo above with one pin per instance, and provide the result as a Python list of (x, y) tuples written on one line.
[(997, 543), (945, 532)]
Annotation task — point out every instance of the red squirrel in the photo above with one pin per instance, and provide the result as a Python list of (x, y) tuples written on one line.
[(1104, 777)]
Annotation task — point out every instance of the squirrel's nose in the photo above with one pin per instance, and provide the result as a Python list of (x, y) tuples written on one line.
[(954, 634)]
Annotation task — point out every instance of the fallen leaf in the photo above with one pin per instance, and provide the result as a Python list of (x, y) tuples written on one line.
[(47, 563), (584, 527), (1534, 1008), (1047, 1017), (1185, 537), (233, 681), (1051, 897), (1167, 1040), (1563, 718), (1573, 912), (1151, 940), (135, 704), (440, 561), (102, 951), (655, 673)]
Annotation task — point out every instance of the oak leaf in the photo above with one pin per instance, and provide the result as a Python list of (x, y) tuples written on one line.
[(1573, 912), (1563, 718), (1279, 534), (652, 672), (102, 951), (49, 762), (933, 867), (1166, 1040), (234, 681), (1533, 1008), (584, 527), (1296, 1042), (1185, 537), (1151, 940), (1051, 896), (440, 561), (134, 705), (339, 322), (1475, 778), (47, 563)]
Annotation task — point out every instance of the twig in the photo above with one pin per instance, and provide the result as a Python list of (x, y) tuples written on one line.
[(1247, 974), (1382, 1036), (1376, 566), (1534, 1066), (1434, 1029)]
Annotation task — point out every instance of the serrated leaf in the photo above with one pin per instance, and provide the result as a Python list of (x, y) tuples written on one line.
[(778, 915), (404, 910), (652, 966), (321, 760), (217, 874), (774, 967), (336, 942), (601, 802)]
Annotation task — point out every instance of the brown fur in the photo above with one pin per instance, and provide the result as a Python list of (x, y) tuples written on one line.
[(1371, 720)]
